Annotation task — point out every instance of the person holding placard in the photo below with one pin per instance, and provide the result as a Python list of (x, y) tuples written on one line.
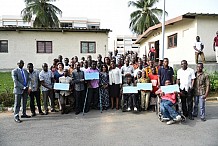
[(166, 105), (64, 94), (130, 97), (145, 94), (93, 88)]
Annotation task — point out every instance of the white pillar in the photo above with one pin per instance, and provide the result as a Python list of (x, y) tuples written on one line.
[(163, 34)]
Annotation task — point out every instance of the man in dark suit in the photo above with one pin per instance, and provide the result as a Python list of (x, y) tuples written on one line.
[(21, 80)]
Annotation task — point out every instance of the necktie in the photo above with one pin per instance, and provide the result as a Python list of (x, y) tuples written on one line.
[(24, 79)]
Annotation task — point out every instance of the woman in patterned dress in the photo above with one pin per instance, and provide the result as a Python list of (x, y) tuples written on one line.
[(104, 81)]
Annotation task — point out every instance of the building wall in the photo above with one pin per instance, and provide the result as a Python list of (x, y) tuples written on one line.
[(207, 28), (22, 45), (186, 32)]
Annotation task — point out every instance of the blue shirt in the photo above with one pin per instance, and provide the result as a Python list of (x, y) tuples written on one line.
[(165, 74)]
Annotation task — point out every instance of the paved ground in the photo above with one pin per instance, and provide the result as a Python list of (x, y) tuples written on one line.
[(109, 128)]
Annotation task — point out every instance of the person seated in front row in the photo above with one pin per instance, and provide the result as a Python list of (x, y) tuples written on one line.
[(166, 105), (130, 97)]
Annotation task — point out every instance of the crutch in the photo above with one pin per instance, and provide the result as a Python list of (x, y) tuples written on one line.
[(85, 101)]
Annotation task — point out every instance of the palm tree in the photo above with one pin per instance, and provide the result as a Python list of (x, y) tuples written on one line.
[(145, 16), (44, 12)]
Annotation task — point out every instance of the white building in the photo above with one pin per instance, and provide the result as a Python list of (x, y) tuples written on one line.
[(124, 43), (42, 45), (68, 22), (180, 36)]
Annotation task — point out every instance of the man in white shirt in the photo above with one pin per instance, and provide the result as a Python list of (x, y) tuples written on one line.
[(185, 79), (198, 47)]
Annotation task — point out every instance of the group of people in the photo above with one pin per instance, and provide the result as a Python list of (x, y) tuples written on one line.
[(115, 73)]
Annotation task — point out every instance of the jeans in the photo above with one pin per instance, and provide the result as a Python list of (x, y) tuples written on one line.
[(35, 94), (201, 100), (167, 109)]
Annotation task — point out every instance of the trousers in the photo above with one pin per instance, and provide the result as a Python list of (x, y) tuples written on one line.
[(20, 99), (197, 100), (35, 94)]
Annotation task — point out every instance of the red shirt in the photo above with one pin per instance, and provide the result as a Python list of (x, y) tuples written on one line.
[(152, 50), (154, 81), (169, 96), (216, 41)]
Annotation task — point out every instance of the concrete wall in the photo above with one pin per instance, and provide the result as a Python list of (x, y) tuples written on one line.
[(22, 45), (206, 28)]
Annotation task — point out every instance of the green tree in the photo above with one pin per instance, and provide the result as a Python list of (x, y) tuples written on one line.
[(145, 15), (44, 12)]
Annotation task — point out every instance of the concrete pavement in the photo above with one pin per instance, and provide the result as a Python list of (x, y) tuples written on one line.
[(108, 128)]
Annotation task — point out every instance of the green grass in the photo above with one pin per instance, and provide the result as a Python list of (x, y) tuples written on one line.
[(6, 82)]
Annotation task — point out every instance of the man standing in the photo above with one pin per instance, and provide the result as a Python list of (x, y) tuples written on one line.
[(198, 47), (185, 79), (152, 53), (201, 87), (165, 72), (79, 86), (93, 89), (215, 46), (46, 78), (127, 70), (21, 80), (34, 90)]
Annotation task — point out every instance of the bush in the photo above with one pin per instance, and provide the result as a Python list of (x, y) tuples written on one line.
[(214, 82), (6, 98)]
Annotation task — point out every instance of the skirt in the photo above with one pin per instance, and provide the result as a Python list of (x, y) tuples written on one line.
[(114, 90)]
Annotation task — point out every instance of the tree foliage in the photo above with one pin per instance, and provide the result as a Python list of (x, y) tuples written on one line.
[(144, 16), (44, 12)]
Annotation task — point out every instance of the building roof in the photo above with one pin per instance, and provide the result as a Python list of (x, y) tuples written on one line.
[(24, 28), (170, 22)]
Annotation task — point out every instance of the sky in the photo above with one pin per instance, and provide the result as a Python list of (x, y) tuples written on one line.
[(113, 14)]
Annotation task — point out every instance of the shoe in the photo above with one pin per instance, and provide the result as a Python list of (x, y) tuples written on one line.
[(46, 112), (194, 115), (41, 113), (54, 110), (33, 114), (135, 109), (203, 119), (17, 120), (62, 112), (178, 118), (190, 117), (25, 116), (128, 109), (76, 113), (170, 122)]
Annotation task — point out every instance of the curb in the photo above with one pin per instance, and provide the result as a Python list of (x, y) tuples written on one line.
[(211, 98)]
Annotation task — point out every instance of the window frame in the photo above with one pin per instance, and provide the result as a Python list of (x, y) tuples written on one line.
[(46, 52), (173, 38), (88, 42), (1, 46)]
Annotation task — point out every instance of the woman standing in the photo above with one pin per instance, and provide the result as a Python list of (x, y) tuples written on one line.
[(57, 74), (104, 81), (115, 81)]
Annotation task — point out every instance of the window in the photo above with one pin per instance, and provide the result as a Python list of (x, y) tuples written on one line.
[(172, 41), (119, 39), (88, 47), (44, 46), (66, 25), (3, 46)]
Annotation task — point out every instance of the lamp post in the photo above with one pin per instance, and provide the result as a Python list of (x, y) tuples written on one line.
[(163, 32)]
